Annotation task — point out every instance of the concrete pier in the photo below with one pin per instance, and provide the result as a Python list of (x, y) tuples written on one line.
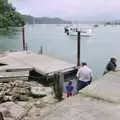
[(43, 64), (24, 61)]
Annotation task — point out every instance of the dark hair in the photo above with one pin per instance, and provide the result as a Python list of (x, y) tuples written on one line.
[(84, 63), (70, 82), (112, 59)]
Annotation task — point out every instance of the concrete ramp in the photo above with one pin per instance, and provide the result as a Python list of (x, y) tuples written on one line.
[(106, 88), (98, 101), (80, 108)]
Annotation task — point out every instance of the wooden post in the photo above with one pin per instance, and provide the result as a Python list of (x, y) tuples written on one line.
[(78, 48), (58, 86), (23, 38), (1, 116), (41, 49), (26, 47)]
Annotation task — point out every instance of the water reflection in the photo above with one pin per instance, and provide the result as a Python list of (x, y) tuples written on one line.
[(9, 39), (10, 31)]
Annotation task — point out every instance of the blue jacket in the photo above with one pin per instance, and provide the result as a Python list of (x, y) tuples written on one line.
[(69, 88)]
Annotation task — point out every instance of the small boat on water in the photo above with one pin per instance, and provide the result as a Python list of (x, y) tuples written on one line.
[(72, 31), (96, 25)]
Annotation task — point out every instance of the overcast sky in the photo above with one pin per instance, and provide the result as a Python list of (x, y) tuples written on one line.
[(68, 8)]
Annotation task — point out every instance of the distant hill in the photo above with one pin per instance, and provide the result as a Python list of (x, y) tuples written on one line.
[(44, 20)]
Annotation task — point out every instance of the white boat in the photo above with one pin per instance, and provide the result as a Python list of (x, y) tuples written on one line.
[(73, 31)]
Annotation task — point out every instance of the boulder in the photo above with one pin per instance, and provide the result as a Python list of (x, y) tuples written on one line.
[(12, 110), (49, 100), (38, 91)]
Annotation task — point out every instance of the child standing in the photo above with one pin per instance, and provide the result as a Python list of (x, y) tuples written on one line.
[(69, 88)]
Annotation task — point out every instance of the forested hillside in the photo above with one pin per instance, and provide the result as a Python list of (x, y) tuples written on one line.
[(9, 16)]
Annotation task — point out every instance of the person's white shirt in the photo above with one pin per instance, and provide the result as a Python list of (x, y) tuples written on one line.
[(84, 73)]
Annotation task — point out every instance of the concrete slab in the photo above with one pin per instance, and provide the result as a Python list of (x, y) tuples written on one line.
[(106, 88), (41, 63), (12, 69), (6, 76), (12, 64)]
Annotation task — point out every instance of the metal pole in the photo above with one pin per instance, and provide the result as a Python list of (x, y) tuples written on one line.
[(23, 38), (78, 48), (26, 46)]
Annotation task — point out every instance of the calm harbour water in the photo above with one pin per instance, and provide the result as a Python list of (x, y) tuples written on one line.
[(95, 50)]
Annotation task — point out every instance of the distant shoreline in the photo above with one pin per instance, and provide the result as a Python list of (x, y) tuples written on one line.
[(45, 20)]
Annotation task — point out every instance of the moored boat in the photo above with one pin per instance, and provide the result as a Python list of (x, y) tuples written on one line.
[(72, 31)]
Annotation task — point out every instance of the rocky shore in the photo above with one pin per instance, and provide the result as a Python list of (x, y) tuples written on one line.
[(19, 99)]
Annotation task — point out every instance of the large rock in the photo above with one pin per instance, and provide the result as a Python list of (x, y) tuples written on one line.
[(12, 111), (38, 91), (22, 91)]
